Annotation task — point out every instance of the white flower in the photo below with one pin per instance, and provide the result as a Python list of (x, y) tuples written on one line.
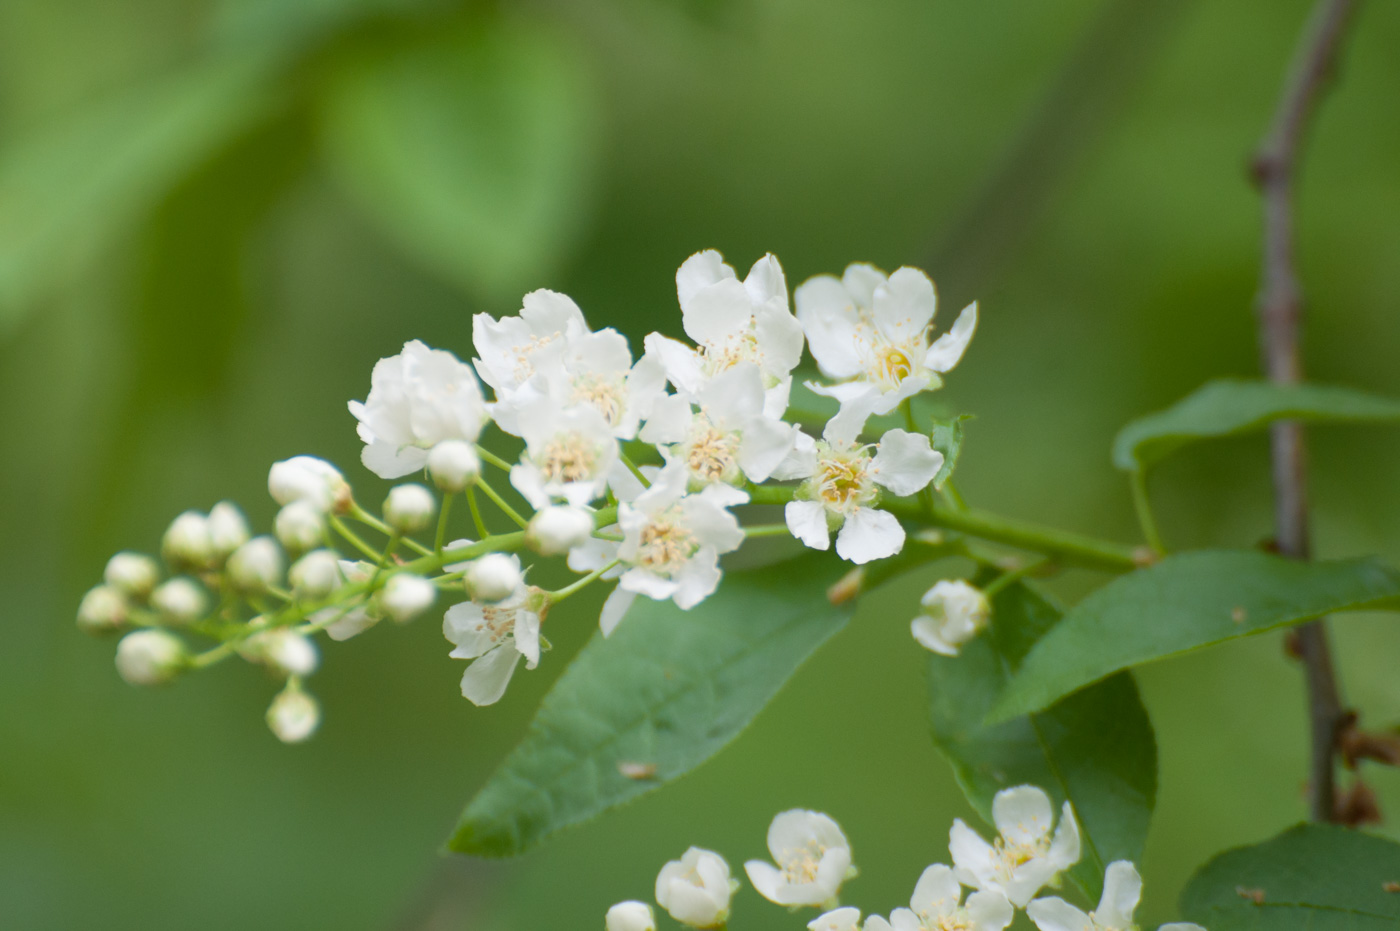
[(187, 543), (568, 453), (841, 490), (630, 916), (287, 652), (409, 508), (454, 465), (937, 906), (405, 596), (812, 856), (841, 919), (874, 330), (730, 438), (558, 529), (103, 608), (954, 613), (228, 530), (300, 526), (417, 399), (180, 600), (696, 889), (494, 637), (1025, 857), (1122, 888), (732, 322), (513, 349), (132, 574), (150, 657), (315, 575), (306, 478), (492, 577), (256, 565), (293, 716)]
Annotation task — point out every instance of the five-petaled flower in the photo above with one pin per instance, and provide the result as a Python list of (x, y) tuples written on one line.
[(494, 637), (1122, 888), (937, 906), (813, 859), (1026, 856)]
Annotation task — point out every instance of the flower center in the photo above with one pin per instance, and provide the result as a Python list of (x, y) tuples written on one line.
[(843, 482), (524, 364), (1010, 854), (569, 457), (956, 920), (724, 354), (800, 864), (605, 395), (711, 454), (496, 622), (665, 544)]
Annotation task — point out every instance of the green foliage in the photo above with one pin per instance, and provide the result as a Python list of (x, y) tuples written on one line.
[(665, 692), (472, 147), (1183, 603), (1094, 748), (1313, 877), (947, 438), (1234, 405)]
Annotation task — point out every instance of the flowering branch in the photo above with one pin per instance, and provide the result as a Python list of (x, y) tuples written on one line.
[(1280, 308)]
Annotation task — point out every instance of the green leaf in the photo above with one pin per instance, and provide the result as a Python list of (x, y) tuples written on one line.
[(1094, 748), (472, 148), (1314, 877), (69, 190), (1183, 603), (666, 692), (1232, 406), (947, 438)]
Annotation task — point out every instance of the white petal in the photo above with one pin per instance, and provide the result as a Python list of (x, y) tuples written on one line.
[(841, 919), (1122, 889), (929, 634), (948, 349), (905, 462), (1064, 849), (1022, 814), (937, 892), (389, 461), (669, 421), (614, 609), (1181, 926), (800, 462), (904, 920), (486, 678), (766, 879), (733, 397), (766, 444), (799, 828), (903, 306), (844, 428), (869, 534), (876, 923), (648, 583), (907, 388), (463, 625), (1055, 914), (972, 856), (780, 339), (527, 637), (766, 282), (529, 481), (860, 280), (679, 361), (717, 312), (698, 580), (991, 911), (549, 313), (828, 317), (1028, 879), (831, 873), (806, 520), (700, 271), (692, 905)]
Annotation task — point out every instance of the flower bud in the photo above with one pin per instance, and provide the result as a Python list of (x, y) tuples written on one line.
[(306, 478), (187, 543), (409, 508), (454, 465), (132, 574), (256, 565), (180, 600), (102, 609), (293, 716), (316, 575), (300, 526), (493, 577), (631, 916), (405, 596), (227, 529), (557, 529), (954, 613), (285, 651), (150, 657), (696, 889)]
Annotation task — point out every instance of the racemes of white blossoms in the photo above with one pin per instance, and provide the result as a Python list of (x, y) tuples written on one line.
[(937, 905), (1026, 856), (417, 399), (871, 332), (1122, 889), (732, 321), (812, 857), (569, 454), (842, 485), (494, 637)]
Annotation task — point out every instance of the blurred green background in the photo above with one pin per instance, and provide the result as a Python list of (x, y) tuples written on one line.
[(215, 216)]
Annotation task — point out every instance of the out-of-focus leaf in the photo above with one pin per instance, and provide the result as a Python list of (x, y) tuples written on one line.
[(473, 149), (1183, 603), (947, 438), (66, 191), (1314, 877), (1235, 405), (1094, 748), (665, 692)]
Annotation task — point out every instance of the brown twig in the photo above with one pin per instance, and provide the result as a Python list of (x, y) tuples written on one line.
[(1280, 307)]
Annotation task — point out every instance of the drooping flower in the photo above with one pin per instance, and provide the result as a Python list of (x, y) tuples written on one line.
[(813, 859), (1122, 889), (730, 438), (417, 399), (871, 331), (843, 481), (1026, 856), (954, 613), (696, 889), (568, 454), (937, 906), (511, 350), (732, 322), (494, 637)]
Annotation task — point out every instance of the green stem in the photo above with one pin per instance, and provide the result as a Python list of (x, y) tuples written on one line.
[(765, 530), (488, 456), (369, 520), (353, 538), (953, 496), (1142, 504), (500, 502), (566, 591), (1014, 575), (481, 532), (632, 467), (441, 536)]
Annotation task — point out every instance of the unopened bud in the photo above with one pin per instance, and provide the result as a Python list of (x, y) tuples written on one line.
[(493, 577), (315, 575), (954, 613), (150, 657), (454, 465), (187, 543), (228, 530), (557, 529), (132, 574), (287, 652), (102, 609), (306, 478), (405, 596), (300, 526), (631, 916), (180, 600), (256, 565), (409, 508), (293, 716)]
